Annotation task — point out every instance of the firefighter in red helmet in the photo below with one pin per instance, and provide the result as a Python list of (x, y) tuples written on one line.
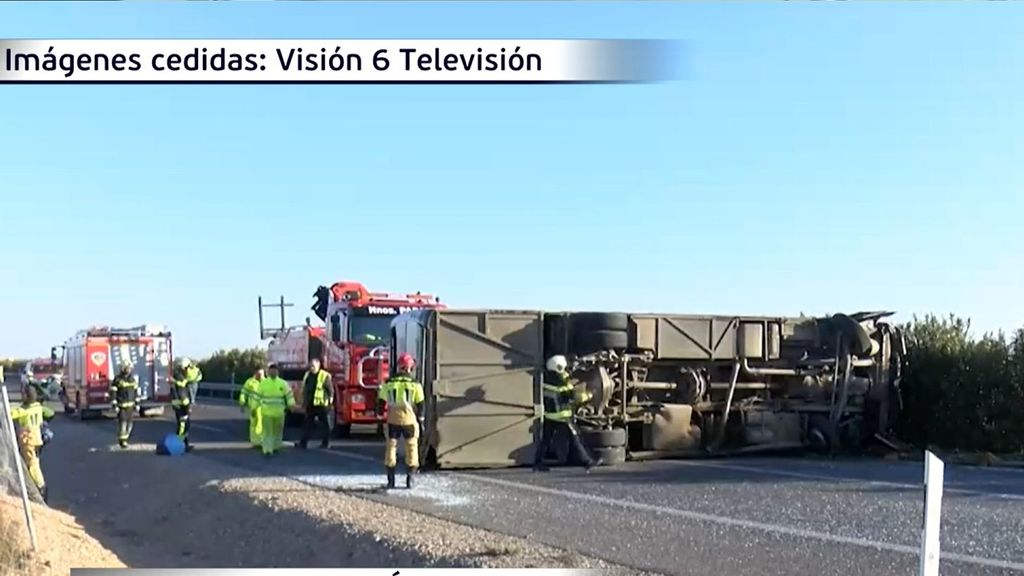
[(403, 396)]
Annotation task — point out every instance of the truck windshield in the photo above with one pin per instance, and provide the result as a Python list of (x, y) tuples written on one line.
[(370, 330)]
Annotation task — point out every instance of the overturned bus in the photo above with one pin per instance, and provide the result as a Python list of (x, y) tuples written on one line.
[(660, 385)]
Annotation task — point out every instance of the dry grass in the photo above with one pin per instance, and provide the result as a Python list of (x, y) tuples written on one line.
[(63, 543), (13, 558)]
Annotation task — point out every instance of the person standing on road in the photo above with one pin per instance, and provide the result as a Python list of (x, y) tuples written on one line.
[(317, 400), (403, 397), (275, 398), (559, 415), (192, 376), (124, 392), (181, 402), (29, 418), (249, 400)]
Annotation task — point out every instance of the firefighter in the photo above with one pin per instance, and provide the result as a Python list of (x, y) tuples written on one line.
[(29, 417), (124, 392), (181, 402), (275, 398), (192, 375), (403, 397), (559, 414), (317, 400), (249, 400)]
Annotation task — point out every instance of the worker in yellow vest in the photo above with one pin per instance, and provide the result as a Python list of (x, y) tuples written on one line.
[(275, 398), (249, 400), (29, 418), (317, 402), (403, 397)]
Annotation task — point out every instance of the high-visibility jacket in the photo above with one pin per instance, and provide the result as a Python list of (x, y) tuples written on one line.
[(249, 396), (401, 394), (317, 389), (558, 396), (275, 396), (193, 374), (29, 419), (179, 394), (124, 391)]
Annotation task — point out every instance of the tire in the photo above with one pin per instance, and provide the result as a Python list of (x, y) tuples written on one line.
[(593, 321), (342, 430), (614, 438), (856, 335), (611, 456), (598, 340)]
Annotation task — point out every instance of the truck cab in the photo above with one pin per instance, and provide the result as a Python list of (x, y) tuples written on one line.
[(358, 338)]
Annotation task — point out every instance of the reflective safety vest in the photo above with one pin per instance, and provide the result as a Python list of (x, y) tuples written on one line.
[(275, 396), (321, 394), (558, 396), (30, 420), (401, 394), (249, 396), (193, 374), (124, 391), (180, 394)]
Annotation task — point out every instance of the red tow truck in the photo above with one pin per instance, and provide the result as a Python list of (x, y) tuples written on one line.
[(353, 346)]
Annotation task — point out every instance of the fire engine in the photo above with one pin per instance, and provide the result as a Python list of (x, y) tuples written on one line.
[(92, 358)]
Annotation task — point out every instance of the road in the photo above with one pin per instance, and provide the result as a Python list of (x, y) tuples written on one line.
[(726, 516)]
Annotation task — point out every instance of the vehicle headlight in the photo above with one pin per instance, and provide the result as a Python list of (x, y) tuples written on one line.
[(358, 398)]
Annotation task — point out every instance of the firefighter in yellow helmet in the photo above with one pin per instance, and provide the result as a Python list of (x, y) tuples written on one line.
[(275, 398), (29, 418), (403, 397), (249, 400), (124, 393)]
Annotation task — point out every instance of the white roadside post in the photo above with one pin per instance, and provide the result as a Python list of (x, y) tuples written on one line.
[(18, 464), (933, 480)]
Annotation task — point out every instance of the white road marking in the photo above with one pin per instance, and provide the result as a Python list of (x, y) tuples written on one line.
[(840, 478), (750, 524)]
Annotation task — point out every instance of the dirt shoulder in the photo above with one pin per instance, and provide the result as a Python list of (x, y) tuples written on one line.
[(62, 543)]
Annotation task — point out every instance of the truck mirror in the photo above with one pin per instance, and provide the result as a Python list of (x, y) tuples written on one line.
[(53, 354)]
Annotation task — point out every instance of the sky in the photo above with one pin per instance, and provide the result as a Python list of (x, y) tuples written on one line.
[(814, 158)]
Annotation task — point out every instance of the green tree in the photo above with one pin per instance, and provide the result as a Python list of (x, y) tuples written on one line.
[(232, 365)]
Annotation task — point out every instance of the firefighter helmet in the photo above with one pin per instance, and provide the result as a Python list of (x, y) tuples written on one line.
[(406, 362), (557, 363)]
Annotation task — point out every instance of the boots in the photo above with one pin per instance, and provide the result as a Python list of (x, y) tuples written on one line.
[(391, 478), (409, 478)]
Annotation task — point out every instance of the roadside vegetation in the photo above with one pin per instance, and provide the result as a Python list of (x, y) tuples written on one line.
[(962, 392)]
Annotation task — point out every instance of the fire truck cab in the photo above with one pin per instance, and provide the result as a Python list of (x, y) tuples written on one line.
[(357, 338), (92, 358)]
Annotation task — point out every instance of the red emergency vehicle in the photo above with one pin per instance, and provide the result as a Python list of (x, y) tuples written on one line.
[(94, 356), (357, 339), (291, 349)]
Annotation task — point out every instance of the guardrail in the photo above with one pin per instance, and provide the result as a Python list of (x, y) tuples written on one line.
[(225, 390)]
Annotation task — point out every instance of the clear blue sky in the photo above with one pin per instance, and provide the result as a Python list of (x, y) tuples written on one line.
[(816, 157)]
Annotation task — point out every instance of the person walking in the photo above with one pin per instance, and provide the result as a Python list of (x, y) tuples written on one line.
[(192, 376), (249, 400), (29, 418), (181, 402), (275, 398), (403, 397), (124, 392), (559, 415), (317, 402)]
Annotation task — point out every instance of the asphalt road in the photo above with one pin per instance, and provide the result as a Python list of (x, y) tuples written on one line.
[(728, 516)]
